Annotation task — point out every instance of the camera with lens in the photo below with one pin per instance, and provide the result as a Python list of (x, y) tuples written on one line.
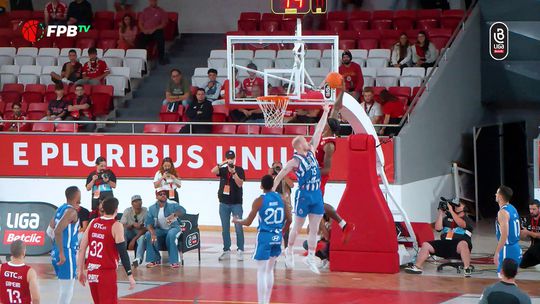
[(231, 165), (276, 170), (104, 175), (443, 204)]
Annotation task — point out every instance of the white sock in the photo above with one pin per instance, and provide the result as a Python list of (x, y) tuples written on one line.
[(269, 278), (298, 223), (261, 281), (342, 224), (65, 291)]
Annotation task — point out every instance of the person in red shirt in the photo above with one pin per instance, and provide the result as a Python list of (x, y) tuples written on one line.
[(71, 70), (16, 114), (253, 81), (105, 240), (152, 21), (18, 281), (393, 110), (95, 70), (55, 13), (352, 73)]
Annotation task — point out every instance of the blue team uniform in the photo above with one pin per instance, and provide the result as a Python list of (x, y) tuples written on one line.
[(511, 248), (66, 271), (271, 220), (308, 198)]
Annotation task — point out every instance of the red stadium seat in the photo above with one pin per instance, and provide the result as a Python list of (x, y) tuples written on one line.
[(174, 128), (110, 34), (32, 97), (64, 42), (67, 127), (347, 44), (11, 96), (103, 24), (38, 107), (45, 42), (250, 16), (269, 25), (427, 24), (220, 113), (107, 43), (400, 91), (288, 25), (336, 25), (36, 115), (439, 42), (296, 130), (271, 131), (154, 128), (5, 41), (383, 15), (271, 16), (338, 15), (224, 129), (35, 88), (171, 29), (440, 32), (415, 91), (169, 116), (84, 43), (94, 34), (15, 16), (104, 15), (367, 44), (348, 35), (377, 90), (43, 127), (394, 34), (404, 20), (247, 25), (412, 34), (2, 107), (358, 24), (248, 129), (428, 14), (4, 22), (14, 87), (381, 24), (387, 43), (101, 99), (18, 42), (451, 18), (39, 15), (361, 15)]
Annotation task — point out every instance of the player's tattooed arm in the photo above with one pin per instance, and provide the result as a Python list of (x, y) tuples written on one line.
[(254, 209)]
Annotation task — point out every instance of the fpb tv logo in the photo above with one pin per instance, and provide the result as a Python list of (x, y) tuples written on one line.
[(498, 41), (34, 31)]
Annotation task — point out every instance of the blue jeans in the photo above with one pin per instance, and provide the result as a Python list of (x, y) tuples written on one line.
[(165, 238), (225, 211), (129, 234)]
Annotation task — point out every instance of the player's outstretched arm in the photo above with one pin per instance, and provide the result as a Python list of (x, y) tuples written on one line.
[(118, 235), (339, 102), (329, 150), (81, 273), (34, 286), (289, 166), (257, 203), (316, 139)]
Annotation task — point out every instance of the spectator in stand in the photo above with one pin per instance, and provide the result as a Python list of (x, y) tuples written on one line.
[(123, 5), (253, 81), (152, 21), (506, 291), (80, 108), (251, 116), (393, 110), (531, 230), (16, 114), (55, 13), (80, 13), (71, 70), (167, 178), (238, 92), (127, 33), (213, 87), (101, 182), (373, 108), (352, 74), (133, 220), (57, 109), (424, 53), (401, 52), (200, 110), (95, 70), (177, 91)]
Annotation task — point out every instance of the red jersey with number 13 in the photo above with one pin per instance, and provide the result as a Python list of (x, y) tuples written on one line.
[(319, 154), (14, 287), (102, 253)]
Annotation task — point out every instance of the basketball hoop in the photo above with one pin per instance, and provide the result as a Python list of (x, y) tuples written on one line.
[(273, 108)]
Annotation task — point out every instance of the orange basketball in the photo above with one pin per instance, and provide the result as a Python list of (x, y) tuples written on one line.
[(334, 80)]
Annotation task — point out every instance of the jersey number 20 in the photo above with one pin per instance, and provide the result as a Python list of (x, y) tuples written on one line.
[(95, 249), (274, 216)]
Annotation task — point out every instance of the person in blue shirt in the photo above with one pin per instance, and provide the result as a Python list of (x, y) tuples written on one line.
[(274, 218), (308, 197), (507, 229)]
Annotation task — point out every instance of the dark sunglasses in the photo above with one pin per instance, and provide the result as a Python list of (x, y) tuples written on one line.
[(162, 193)]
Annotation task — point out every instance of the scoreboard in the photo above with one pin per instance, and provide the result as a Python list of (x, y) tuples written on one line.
[(285, 7)]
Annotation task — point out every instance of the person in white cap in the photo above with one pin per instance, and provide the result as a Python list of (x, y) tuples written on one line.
[(134, 229)]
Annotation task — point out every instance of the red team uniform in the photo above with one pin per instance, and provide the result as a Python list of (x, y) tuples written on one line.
[(250, 83), (14, 287), (319, 154), (102, 261), (354, 80)]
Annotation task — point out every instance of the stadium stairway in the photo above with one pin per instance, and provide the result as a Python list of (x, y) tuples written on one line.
[(186, 54)]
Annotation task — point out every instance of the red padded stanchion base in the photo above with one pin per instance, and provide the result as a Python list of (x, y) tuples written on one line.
[(373, 262), (423, 232)]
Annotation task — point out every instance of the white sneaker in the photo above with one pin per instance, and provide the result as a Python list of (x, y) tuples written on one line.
[(325, 264), (312, 264), (225, 255), (240, 255), (289, 259)]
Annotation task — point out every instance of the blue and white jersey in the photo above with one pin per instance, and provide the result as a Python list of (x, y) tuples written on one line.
[(272, 213), (308, 173), (513, 225), (70, 234)]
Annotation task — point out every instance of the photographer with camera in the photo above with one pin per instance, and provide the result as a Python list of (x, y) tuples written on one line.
[(455, 243), (167, 179), (101, 182), (284, 188)]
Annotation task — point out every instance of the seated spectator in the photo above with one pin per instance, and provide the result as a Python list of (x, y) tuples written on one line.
[(401, 53), (238, 92), (506, 291), (127, 33), (16, 114), (163, 230), (80, 108), (71, 70), (152, 21), (95, 70), (166, 178), (424, 53), (200, 110), (177, 91), (373, 109), (393, 110), (79, 13), (455, 242), (253, 81), (213, 87), (58, 107), (531, 229), (134, 230), (305, 116), (55, 13), (123, 5), (249, 115), (352, 74)]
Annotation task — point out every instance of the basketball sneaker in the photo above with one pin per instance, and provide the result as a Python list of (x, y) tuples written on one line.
[(225, 255), (136, 262), (347, 232), (289, 259), (312, 264), (467, 272), (153, 264), (413, 270), (175, 265), (240, 255)]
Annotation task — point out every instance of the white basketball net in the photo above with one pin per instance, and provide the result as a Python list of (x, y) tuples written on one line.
[(273, 108)]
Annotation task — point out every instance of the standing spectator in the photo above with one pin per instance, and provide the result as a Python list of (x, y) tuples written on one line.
[(163, 230), (352, 74), (393, 110), (177, 91), (167, 178), (253, 82), (231, 180), (57, 109), (152, 21), (95, 70), (531, 229), (55, 13), (401, 52), (71, 70), (372, 108), (79, 13), (506, 291), (80, 107), (213, 87), (424, 53), (101, 182), (284, 188), (133, 220), (200, 110), (16, 114), (84, 219), (127, 33)]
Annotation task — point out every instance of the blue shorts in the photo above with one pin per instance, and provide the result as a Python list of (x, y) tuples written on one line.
[(268, 245), (68, 270), (509, 251), (308, 202)]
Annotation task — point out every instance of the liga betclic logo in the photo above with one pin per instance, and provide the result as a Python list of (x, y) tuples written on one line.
[(34, 30)]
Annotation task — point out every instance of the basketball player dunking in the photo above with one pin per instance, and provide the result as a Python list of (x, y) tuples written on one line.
[(308, 199), (19, 281), (105, 237)]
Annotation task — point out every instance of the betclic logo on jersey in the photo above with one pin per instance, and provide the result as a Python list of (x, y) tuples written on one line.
[(498, 41)]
